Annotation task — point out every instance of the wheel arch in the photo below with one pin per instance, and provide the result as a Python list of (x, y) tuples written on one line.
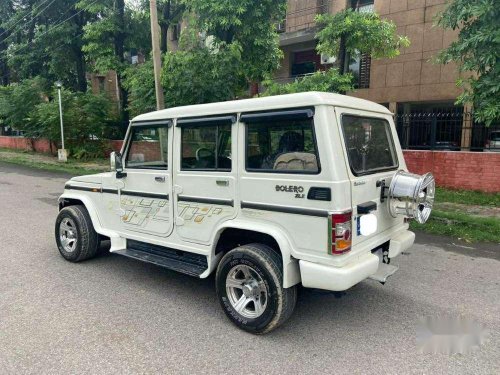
[(233, 234), (67, 200)]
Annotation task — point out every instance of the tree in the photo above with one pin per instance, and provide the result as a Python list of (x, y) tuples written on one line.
[(87, 118), (6, 13), (139, 81), (477, 50), (357, 33), (200, 74), (327, 81), (170, 12), (249, 23), (117, 29), (18, 100), (44, 39)]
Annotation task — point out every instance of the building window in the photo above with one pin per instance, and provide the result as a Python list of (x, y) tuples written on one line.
[(360, 65), (101, 82), (305, 62), (281, 26), (362, 5)]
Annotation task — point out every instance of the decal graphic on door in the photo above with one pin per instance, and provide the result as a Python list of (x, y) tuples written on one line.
[(145, 214), (201, 213)]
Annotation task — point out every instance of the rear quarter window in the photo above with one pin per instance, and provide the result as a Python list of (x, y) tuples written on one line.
[(282, 146), (369, 144)]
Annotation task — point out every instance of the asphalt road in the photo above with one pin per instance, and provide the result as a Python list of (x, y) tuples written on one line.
[(116, 315)]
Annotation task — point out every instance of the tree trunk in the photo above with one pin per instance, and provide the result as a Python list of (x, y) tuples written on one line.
[(163, 38), (81, 79), (342, 55), (164, 25), (119, 42), (4, 67), (119, 38)]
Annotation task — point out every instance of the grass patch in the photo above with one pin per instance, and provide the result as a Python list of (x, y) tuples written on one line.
[(467, 197), (50, 163), (449, 221), (462, 226)]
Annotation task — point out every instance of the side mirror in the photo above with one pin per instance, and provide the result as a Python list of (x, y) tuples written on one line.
[(117, 164)]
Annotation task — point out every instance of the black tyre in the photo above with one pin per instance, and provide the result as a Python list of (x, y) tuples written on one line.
[(75, 235), (249, 284)]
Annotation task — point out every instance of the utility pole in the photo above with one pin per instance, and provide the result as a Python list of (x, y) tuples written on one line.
[(155, 33), (61, 153)]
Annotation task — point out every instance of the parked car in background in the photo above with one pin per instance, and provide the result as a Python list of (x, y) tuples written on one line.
[(493, 142)]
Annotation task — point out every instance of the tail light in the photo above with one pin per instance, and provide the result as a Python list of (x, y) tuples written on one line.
[(341, 233)]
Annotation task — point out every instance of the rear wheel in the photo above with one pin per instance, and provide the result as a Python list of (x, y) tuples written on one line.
[(75, 235), (249, 287)]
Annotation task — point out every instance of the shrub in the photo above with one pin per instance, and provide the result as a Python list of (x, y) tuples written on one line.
[(18, 100), (327, 81), (87, 119)]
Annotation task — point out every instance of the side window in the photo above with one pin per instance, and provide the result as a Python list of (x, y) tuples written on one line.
[(206, 147), (148, 148), (284, 146)]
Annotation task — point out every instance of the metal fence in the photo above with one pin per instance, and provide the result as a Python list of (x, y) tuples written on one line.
[(448, 131)]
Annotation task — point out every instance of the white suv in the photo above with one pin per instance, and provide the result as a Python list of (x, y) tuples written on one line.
[(270, 193)]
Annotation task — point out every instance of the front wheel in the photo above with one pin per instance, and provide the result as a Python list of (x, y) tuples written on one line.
[(249, 287), (75, 235)]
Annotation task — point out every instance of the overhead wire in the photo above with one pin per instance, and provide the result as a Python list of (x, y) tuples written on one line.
[(31, 19), (50, 29)]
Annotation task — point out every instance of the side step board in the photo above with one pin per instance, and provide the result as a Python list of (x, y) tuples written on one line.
[(176, 260)]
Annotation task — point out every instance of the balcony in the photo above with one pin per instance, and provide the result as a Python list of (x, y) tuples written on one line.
[(299, 25)]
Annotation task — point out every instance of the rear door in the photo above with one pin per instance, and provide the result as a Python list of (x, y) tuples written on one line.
[(373, 158), (205, 175)]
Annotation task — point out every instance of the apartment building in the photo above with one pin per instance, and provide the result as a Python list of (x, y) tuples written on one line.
[(408, 82)]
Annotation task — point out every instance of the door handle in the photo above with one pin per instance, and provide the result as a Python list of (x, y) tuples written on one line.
[(222, 182), (160, 179)]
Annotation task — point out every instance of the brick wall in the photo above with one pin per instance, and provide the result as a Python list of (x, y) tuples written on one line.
[(458, 170), (26, 144), (115, 145)]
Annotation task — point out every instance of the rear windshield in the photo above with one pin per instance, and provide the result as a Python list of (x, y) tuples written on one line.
[(369, 143)]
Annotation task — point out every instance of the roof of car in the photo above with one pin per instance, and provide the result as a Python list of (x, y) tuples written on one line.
[(264, 103)]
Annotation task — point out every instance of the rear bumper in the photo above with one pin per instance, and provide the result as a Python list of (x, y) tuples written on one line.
[(320, 276), (400, 243)]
